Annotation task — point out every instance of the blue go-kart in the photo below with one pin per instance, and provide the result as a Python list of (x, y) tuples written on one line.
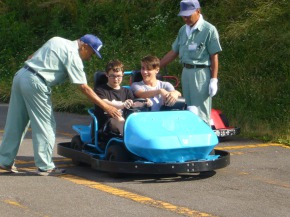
[(170, 141)]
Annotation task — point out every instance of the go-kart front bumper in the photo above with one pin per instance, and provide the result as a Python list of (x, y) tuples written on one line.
[(230, 131), (140, 167)]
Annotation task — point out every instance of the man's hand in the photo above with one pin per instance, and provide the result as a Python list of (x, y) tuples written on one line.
[(213, 87), (112, 111)]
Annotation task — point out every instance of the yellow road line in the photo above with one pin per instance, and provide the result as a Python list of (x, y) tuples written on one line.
[(268, 181), (135, 197), (252, 146), (237, 153), (123, 194), (65, 134), (18, 205), (15, 203), (20, 162), (275, 182)]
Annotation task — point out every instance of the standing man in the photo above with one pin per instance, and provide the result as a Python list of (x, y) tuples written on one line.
[(30, 101), (197, 45)]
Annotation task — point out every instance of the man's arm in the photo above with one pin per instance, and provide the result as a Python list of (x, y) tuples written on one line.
[(112, 111), (214, 65), (169, 57), (150, 93), (213, 86)]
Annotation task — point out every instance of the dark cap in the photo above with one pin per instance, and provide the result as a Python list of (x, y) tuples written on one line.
[(94, 42)]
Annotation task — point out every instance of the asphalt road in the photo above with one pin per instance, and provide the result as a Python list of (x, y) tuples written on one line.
[(256, 184)]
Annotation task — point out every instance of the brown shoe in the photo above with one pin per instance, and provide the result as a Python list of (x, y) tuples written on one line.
[(11, 169)]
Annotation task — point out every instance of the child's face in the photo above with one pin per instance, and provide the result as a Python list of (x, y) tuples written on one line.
[(115, 77), (148, 75)]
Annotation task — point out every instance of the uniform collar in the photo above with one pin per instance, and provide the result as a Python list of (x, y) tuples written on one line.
[(197, 25)]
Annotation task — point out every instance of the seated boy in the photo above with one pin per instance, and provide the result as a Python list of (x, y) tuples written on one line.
[(115, 95), (160, 92)]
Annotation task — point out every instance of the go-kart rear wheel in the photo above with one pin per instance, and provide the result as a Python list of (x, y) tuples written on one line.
[(76, 143)]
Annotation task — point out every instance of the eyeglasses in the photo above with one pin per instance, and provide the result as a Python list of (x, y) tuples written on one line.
[(115, 76)]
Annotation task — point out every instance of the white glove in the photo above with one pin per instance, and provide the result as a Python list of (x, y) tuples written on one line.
[(213, 87), (193, 109)]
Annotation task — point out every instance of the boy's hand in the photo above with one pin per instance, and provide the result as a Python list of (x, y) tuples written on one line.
[(171, 98), (128, 103), (149, 102)]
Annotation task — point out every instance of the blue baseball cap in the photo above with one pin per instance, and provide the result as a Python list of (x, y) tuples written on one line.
[(188, 7), (94, 42)]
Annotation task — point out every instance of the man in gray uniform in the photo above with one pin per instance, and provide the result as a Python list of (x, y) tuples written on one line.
[(30, 102), (197, 45)]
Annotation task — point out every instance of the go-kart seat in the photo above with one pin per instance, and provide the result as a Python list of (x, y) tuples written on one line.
[(104, 133), (180, 103), (99, 79)]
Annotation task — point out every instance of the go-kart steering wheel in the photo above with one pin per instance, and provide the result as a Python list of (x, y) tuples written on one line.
[(142, 100), (131, 110), (139, 100)]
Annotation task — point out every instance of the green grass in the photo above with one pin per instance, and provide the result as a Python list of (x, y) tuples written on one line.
[(254, 64)]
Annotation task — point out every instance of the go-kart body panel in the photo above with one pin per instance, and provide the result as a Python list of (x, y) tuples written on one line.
[(176, 136)]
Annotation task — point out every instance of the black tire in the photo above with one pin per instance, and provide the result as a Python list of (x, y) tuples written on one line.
[(207, 174), (117, 152), (76, 162), (76, 143)]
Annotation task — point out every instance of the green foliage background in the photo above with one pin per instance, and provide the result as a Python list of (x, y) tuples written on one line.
[(254, 65)]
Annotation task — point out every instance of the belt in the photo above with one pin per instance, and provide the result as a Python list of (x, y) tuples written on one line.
[(189, 66), (35, 73)]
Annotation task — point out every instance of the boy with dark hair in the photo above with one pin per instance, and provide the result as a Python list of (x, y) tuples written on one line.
[(115, 95)]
